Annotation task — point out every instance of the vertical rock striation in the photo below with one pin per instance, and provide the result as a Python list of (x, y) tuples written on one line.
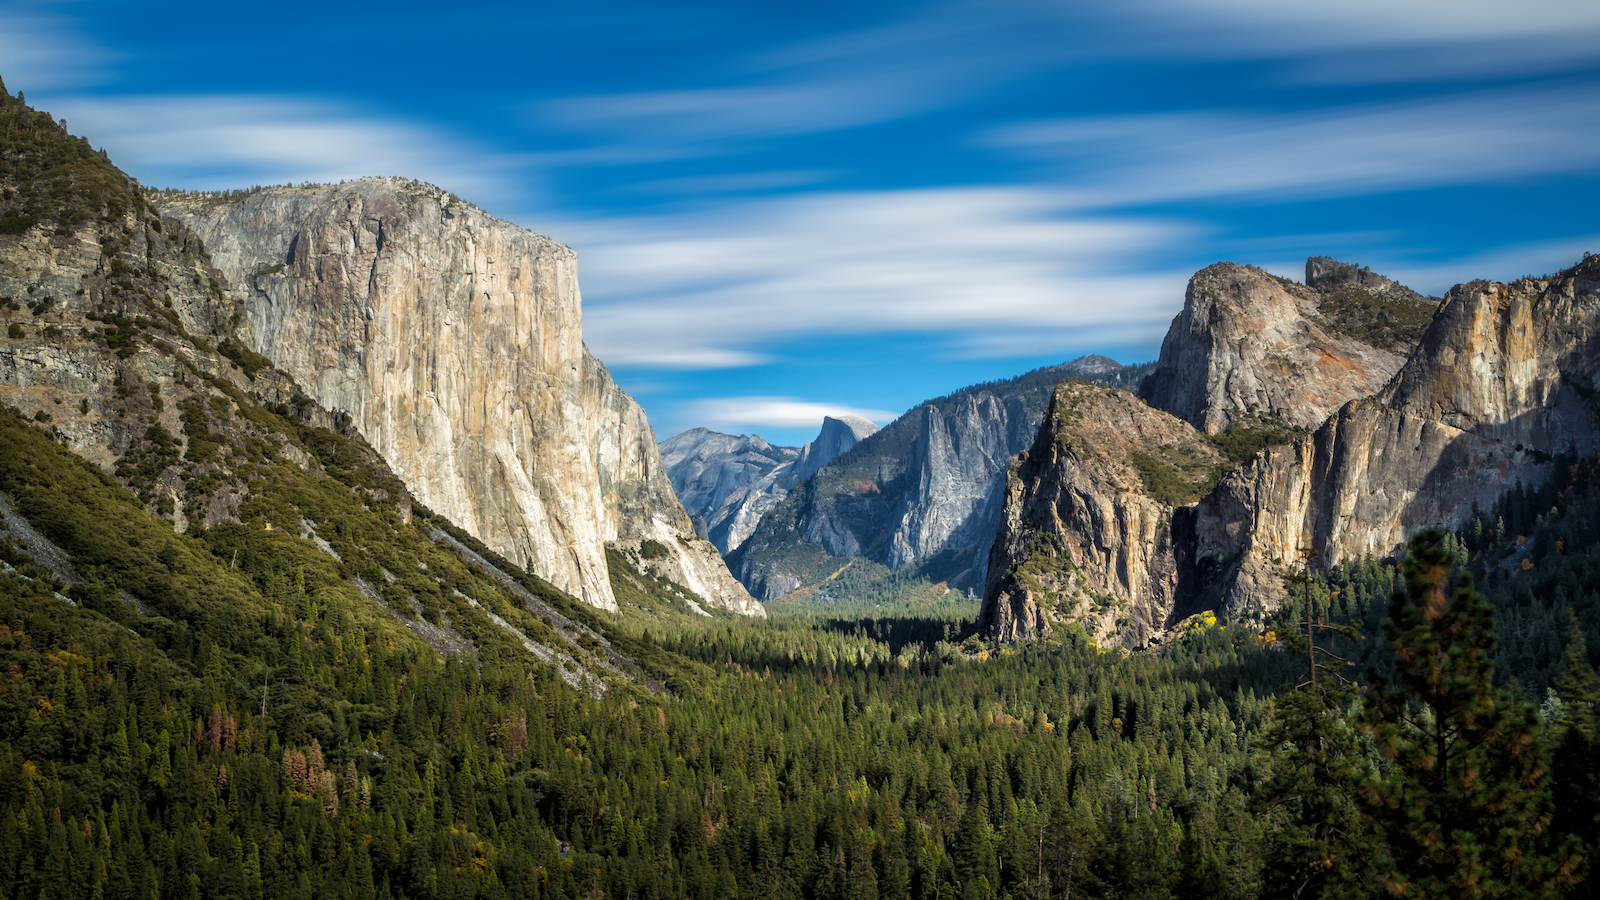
[(725, 482), (1081, 539), (925, 491), (453, 340), (1504, 379), (837, 436), (1507, 376), (728, 483)]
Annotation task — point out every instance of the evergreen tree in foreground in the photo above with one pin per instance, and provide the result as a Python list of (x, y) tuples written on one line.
[(1575, 759), (1322, 848), (1464, 800)]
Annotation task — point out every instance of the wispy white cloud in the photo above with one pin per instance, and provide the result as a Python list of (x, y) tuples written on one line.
[(714, 285), (940, 56), (47, 52), (740, 413), (1452, 140), (1370, 41), (734, 112), (1345, 22), (209, 141)]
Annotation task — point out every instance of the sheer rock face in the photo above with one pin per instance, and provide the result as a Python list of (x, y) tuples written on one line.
[(836, 437), (1247, 342), (962, 453), (926, 490), (1505, 377), (1080, 539), (453, 340), (928, 483), (715, 474)]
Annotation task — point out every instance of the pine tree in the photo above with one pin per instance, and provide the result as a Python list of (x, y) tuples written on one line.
[(1464, 799), (1575, 763), (1320, 849)]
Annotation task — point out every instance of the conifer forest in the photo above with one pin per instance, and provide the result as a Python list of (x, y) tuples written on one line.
[(243, 727)]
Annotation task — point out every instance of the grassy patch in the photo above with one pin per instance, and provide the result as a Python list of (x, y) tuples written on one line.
[(1392, 322), (1248, 436), (1174, 476)]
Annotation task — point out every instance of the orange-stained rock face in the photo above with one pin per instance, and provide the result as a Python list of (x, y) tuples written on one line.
[(1247, 342), (454, 341), (1504, 379)]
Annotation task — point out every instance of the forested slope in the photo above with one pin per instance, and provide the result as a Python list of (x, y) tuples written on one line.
[(867, 758)]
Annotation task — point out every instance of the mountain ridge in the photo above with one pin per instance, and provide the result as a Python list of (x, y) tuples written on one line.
[(924, 490), (727, 483)]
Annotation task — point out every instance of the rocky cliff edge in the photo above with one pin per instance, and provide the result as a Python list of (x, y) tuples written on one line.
[(1250, 343), (453, 340), (1090, 531), (1506, 378)]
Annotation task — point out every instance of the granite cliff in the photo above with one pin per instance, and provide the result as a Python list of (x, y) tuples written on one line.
[(453, 342), (728, 483), (837, 436), (1500, 382), (1083, 536), (1248, 343), (1503, 380), (924, 492), (725, 481)]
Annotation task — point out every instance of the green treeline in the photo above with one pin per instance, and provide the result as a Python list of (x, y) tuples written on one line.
[(263, 730)]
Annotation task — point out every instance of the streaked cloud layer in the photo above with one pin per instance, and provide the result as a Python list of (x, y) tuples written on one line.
[(783, 412), (693, 289), (841, 208)]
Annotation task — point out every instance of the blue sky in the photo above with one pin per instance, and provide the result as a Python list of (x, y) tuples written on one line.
[(787, 210)]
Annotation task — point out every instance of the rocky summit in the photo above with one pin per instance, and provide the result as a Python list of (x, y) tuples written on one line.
[(1250, 343), (453, 342), (1088, 534), (1504, 380), (1498, 384), (837, 436), (728, 483)]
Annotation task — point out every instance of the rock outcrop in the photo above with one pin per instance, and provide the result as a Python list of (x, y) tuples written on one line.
[(1249, 344), (1506, 377), (1081, 538), (837, 436), (924, 492), (728, 483), (111, 331), (453, 341), (122, 342)]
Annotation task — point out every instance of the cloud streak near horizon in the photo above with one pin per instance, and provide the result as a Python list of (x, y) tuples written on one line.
[(780, 412)]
